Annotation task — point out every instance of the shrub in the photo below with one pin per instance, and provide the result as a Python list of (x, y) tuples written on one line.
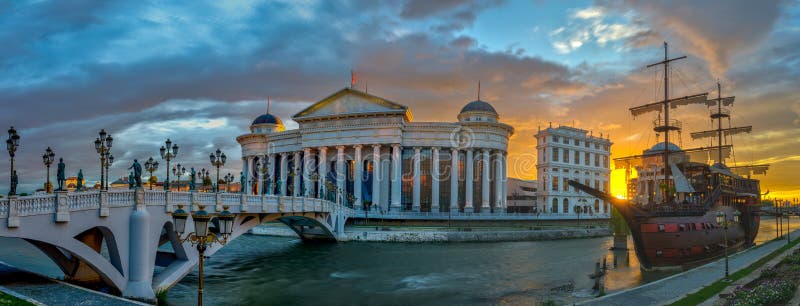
[(793, 259), (766, 293), (769, 272)]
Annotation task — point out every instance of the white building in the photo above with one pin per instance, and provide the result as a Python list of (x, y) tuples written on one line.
[(567, 153), (521, 197), (371, 149)]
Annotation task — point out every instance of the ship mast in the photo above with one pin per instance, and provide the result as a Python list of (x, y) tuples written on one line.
[(665, 126), (719, 114)]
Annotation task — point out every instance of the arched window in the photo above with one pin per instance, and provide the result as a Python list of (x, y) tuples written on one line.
[(605, 207), (566, 205), (554, 209), (596, 206)]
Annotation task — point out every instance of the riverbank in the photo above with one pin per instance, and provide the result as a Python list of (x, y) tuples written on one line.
[(677, 287), (445, 234)]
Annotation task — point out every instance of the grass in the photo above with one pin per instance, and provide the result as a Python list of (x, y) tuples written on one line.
[(716, 287), (9, 300)]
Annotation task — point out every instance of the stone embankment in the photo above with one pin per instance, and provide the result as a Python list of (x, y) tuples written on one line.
[(368, 234)]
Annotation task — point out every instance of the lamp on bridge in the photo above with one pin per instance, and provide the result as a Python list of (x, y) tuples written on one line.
[(217, 160), (48, 158), (178, 170), (109, 162), (12, 144), (228, 180), (168, 153), (203, 177), (201, 237), (722, 219), (151, 165), (102, 145)]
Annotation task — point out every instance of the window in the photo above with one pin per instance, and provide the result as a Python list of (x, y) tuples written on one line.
[(555, 154), (597, 160), (554, 208), (566, 185), (596, 184), (577, 142), (596, 145), (555, 183), (661, 228), (555, 138), (577, 158), (566, 205), (565, 157), (605, 161), (605, 186)]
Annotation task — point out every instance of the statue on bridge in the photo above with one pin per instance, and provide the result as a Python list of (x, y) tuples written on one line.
[(60, 175), (192, 178), (242, 181), (131, 180), (14, 182), (79, 184), (137, 172)]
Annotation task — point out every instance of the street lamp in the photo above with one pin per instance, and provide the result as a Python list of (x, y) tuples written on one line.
[(109, 162), (201, 237), (228, 180), (151, 166), (217, 160), (168, 153), (722, 219), (48, 159), (12, 144), (582, 202), (178, 170), (102, 145)]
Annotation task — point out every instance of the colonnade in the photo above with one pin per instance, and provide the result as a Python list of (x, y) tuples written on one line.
[(309, 174)]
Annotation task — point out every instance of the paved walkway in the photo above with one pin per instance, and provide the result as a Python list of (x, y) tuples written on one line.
[(51, 292), (675, 287)]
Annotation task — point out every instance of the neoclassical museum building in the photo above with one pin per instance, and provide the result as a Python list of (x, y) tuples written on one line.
[(369, 153)]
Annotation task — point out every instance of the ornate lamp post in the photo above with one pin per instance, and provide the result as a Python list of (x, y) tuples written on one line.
[(151, 166), (168, 153), (201, 237), (217, 160), (178, 170), (109, 162), (12, 144), (579, 210), (722, 219), (203, 174), (228, 180), (48, 158), (102, 145)]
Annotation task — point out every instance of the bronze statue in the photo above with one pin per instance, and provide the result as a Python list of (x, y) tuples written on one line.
[(137, 172), (14, 182), (60, 175), (131, 181), (79, 185), (192, 177), (241, 181)]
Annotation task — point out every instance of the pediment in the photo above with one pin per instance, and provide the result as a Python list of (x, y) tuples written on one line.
[(350, 102)]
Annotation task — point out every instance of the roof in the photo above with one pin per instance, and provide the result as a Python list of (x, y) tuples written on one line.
[(390, 106), (267, 119), (659, 147), (478, 106)]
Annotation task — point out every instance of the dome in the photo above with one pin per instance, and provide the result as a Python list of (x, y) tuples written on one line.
[(478, 106), (267, 119), (659, 147)]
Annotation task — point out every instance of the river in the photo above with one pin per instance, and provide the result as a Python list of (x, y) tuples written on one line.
[(260, 270)]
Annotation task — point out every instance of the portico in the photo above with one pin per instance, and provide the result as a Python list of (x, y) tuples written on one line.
[(411, 167)]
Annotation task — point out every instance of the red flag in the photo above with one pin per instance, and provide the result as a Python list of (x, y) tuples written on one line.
[(352, 79)]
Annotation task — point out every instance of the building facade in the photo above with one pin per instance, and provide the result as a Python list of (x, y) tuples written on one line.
[(567, 153), (368, 153), (521, 197)]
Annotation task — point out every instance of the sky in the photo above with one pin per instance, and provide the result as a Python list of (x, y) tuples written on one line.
[(198, 72)]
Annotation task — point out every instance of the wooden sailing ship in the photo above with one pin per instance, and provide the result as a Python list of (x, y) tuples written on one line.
[(687, 210)]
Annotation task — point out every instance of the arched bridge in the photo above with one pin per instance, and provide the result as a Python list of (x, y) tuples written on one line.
[(125, 239)]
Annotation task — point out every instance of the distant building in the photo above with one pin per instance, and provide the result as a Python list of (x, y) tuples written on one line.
[(72, 183), (566, 153), (521, 196)]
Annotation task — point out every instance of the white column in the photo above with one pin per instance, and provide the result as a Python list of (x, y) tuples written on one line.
[(468, 184), (376, 175), (322, 170), (453, 180), (284, 173), (499, 185), (396, 178), (416, 192), (307, 164), (435, 180), (340, 170), (297, 176), (246, 172), (270, 177), (485, 192), (358, 180), (504, 181)]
